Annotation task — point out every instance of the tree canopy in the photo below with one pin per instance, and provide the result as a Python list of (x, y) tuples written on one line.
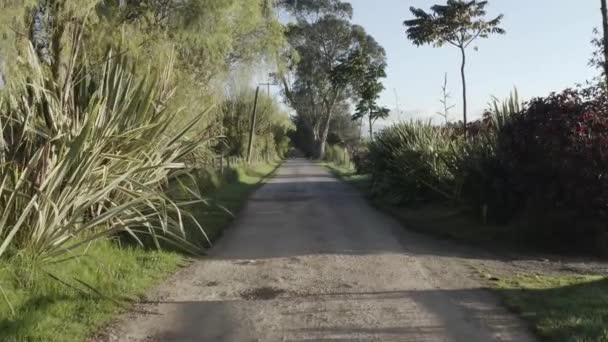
[(458, 23), (327, 55)]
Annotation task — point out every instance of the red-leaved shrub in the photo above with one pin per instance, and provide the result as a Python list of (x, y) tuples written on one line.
[(556, 155)]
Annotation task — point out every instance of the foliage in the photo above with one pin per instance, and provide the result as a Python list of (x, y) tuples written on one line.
[(366, 75), (98, 144), (362, 161), (541, 166), (87, 162), (422, 162), (408, 163), (556, 155), (324, 43), (272, 127), (597, 58), (561, 308), (337, 155), (48, 310), (458, 23)]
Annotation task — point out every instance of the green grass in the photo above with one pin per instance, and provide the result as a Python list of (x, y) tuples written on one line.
[(229, 198), (436, 220), (47, 310), (573, 308), (349, 175)]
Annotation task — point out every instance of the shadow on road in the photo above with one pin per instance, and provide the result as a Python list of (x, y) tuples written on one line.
[(396, 317), (304, 210)]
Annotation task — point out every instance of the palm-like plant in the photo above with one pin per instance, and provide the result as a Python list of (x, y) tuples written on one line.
[(89, 161)]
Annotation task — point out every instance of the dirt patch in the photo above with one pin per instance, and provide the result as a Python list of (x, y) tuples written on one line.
[(262, 293)]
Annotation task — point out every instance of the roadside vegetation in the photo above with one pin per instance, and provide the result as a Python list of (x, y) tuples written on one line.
[(567, 308), (129, 139), (527, 176), (124, 148), (78, 296)]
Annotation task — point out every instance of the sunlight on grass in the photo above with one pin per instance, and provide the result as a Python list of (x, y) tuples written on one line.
[(569, 308), (349, 175), (48, 310)]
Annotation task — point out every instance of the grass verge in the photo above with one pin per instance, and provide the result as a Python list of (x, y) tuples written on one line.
[(229, 198), (436, 220), (566, 308), (45, 309), (361, 182)]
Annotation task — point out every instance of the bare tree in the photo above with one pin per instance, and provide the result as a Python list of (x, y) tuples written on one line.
[(445, 100)]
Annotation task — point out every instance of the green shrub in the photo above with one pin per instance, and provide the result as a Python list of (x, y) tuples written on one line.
[(337, 155), (271, 131), (88, 161), (409, 163)]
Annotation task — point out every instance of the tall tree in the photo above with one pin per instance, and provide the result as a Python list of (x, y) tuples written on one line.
[(323, 41), (604, 9), (366, 75), (458, 23)]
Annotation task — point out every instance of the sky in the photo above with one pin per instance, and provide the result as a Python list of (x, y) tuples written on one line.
[(546, 48)]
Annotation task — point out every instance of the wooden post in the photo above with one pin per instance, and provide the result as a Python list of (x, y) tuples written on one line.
[(252, 129)]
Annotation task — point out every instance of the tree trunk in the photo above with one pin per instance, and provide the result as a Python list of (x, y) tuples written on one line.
[(371, 127), (464, 90), (605, 39), (361, 129), (322, 141)]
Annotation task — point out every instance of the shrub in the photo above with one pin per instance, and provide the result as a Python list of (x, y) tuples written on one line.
[(556, 155), (89, 160), (481, 175), (409, 162), (272, 127), (362, 160), (337, 155)]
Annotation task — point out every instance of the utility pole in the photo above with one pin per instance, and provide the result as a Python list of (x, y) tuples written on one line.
[(253, 122), (268, 85), (254, 116)]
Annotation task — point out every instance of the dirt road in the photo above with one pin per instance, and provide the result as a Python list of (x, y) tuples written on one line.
[(308, 259)]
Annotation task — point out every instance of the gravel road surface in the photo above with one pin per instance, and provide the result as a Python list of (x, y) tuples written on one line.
[(308, 259)]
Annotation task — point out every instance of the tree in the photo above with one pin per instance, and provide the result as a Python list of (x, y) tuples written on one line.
[(319, 80), (458, 23), (373, 112), (604, 9), (368, 89)]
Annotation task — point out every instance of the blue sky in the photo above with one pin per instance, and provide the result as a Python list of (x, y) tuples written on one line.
[(546, 48)]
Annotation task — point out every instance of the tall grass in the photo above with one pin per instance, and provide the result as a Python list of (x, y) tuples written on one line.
[(89, 159), (408, 162), (338, 155), (417, 161)]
